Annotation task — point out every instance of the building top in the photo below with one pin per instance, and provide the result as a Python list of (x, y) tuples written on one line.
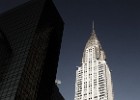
[(93, 40)]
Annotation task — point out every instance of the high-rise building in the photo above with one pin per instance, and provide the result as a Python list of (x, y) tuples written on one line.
[(93, 77), (30, 41)]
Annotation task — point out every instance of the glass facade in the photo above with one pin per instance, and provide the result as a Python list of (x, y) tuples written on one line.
[(25, 33)]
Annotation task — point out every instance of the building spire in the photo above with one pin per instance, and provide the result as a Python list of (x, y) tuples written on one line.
[(93, 28)]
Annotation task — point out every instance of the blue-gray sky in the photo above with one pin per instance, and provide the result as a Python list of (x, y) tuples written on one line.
[(117, 25)]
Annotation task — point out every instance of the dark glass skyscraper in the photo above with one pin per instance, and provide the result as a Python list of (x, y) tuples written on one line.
[(30, 40)]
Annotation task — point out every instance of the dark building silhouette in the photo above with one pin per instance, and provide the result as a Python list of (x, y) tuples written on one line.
[(56, 94), (30, 40)]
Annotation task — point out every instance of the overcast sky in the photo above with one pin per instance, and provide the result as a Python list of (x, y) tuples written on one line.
[(117, 25)]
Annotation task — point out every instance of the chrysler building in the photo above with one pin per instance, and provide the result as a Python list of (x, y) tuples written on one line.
[(93, 77)]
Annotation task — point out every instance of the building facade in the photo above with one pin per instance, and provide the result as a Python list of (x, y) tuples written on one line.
[(93, 77), (30, 41)]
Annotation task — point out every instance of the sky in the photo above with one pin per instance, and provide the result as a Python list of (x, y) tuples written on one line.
[(117, 25)]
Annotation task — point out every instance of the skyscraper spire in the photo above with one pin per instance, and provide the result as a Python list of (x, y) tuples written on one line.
[(93, 40), (93, 28)]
